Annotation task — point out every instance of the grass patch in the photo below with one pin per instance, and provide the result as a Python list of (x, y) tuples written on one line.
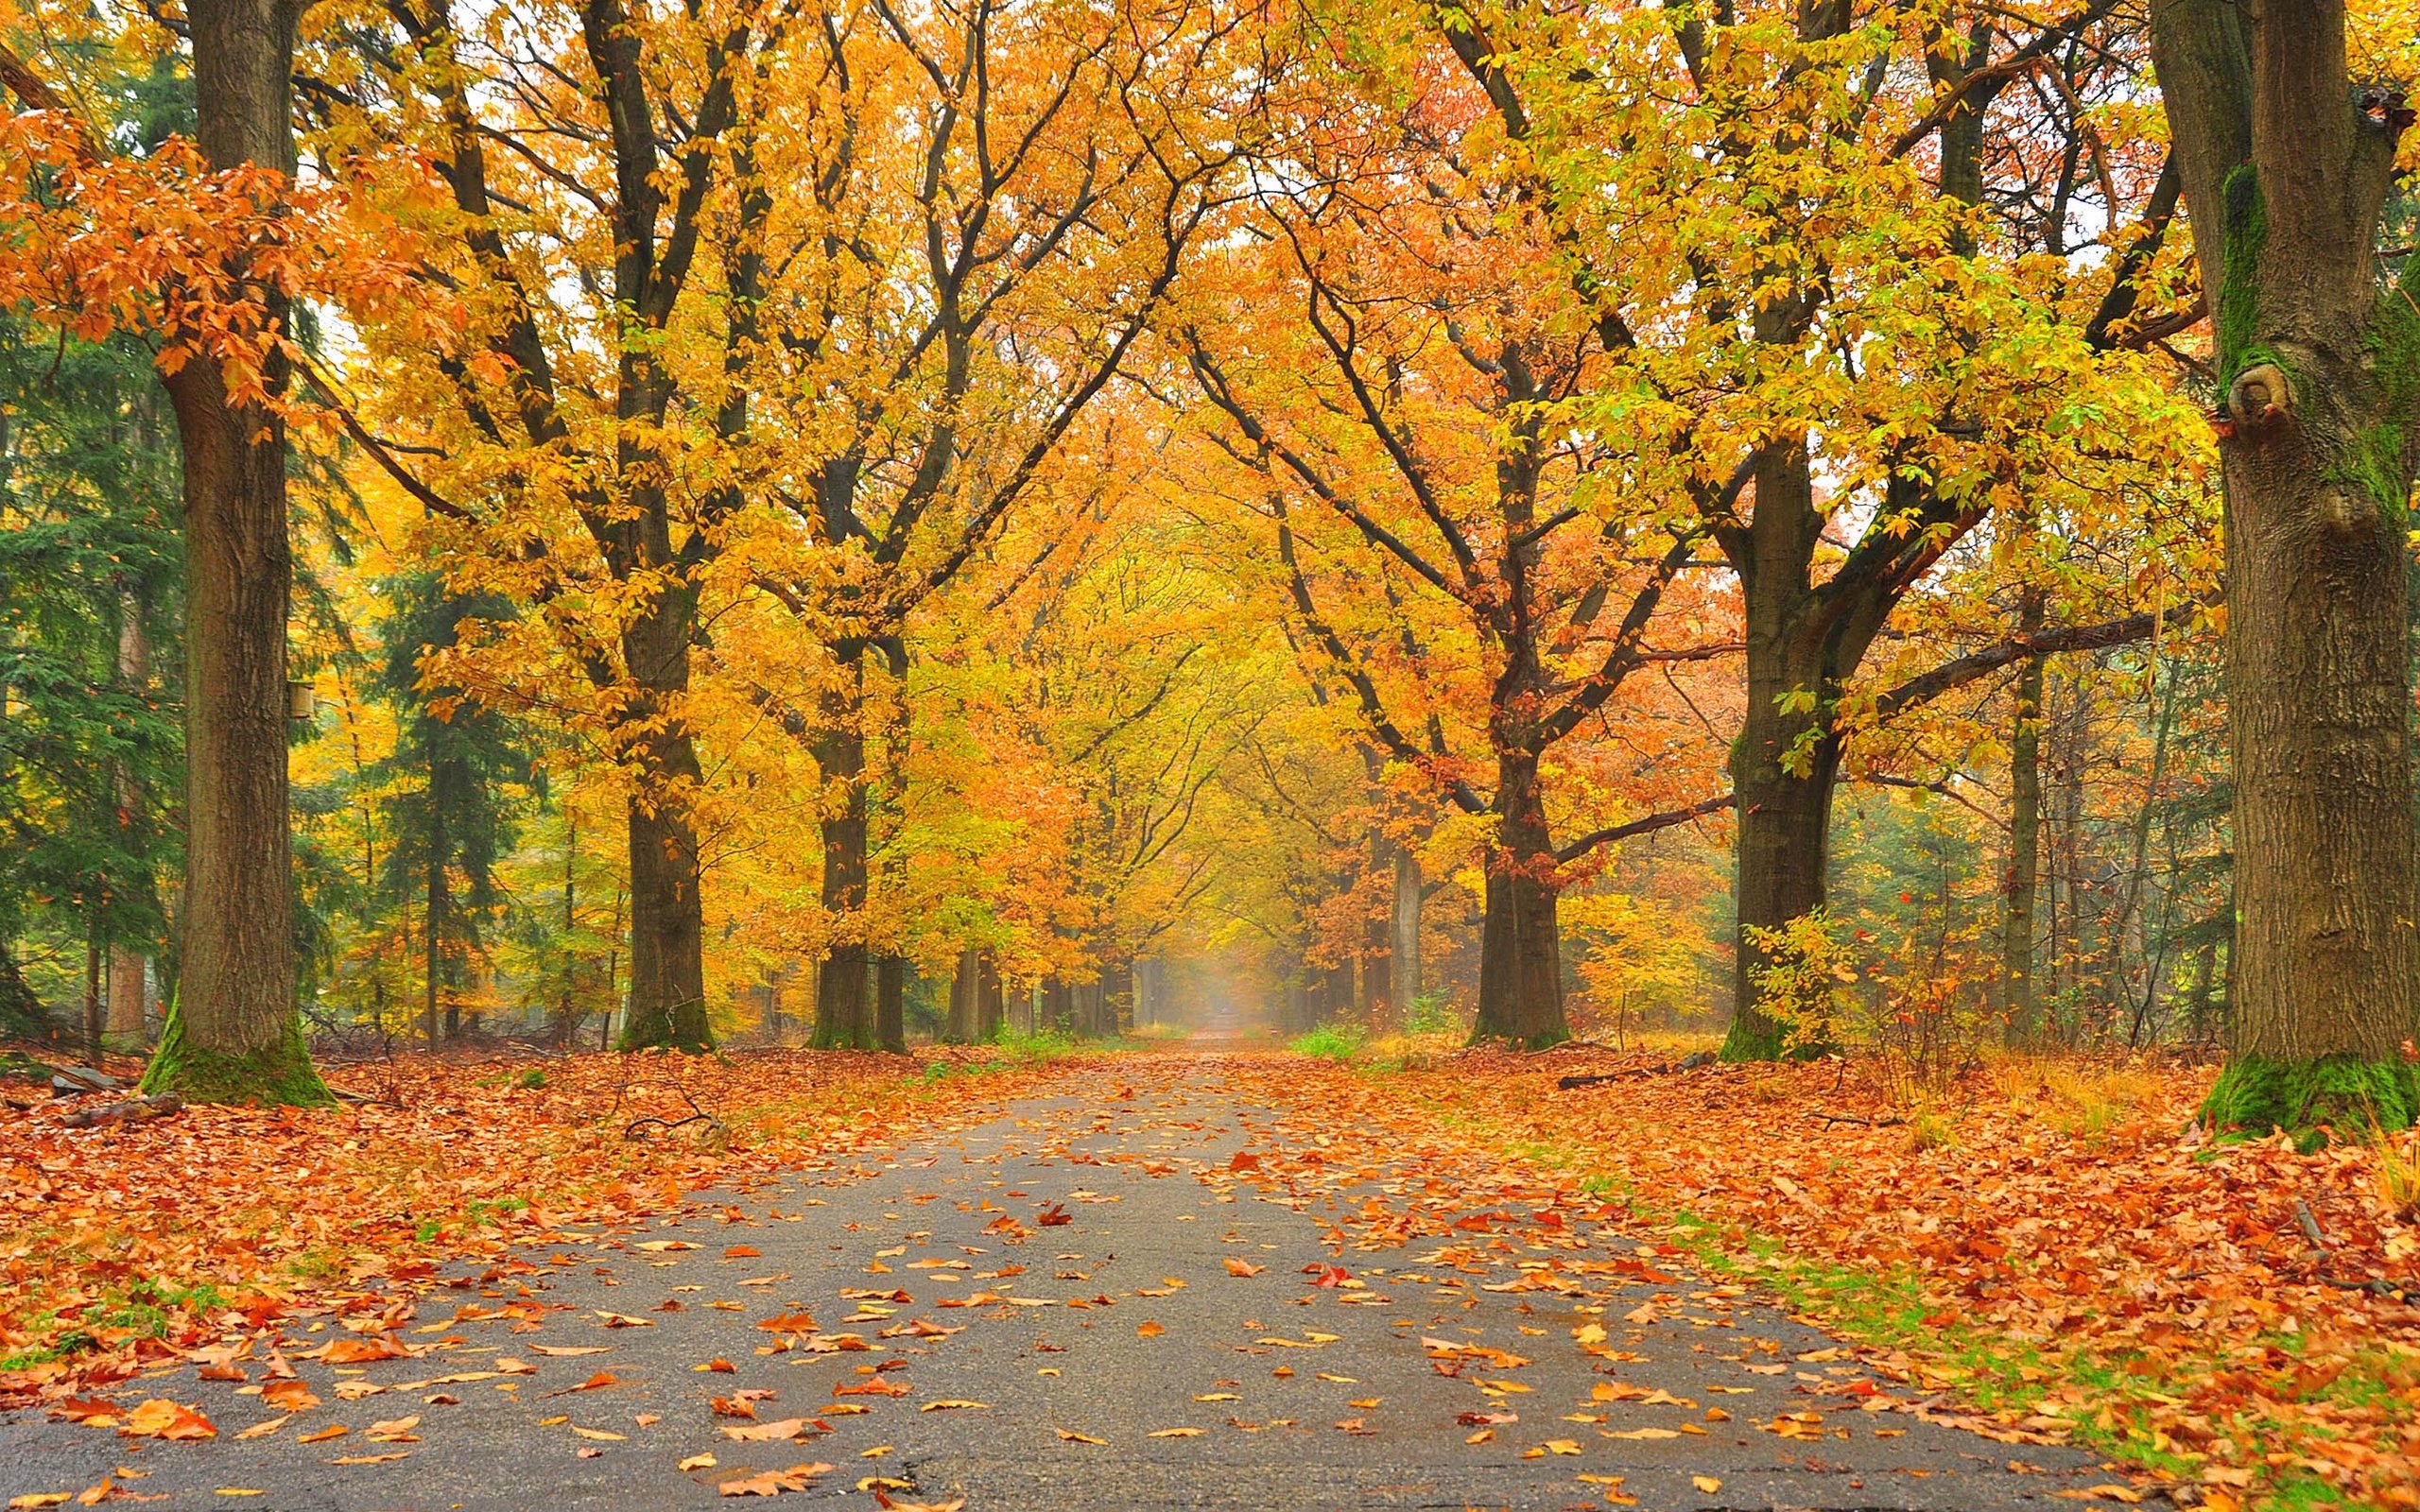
[(1330, 1041), (1885, 1307)]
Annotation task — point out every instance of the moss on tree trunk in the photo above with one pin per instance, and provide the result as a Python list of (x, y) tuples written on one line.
[(280, 1073), (2344, 1093)]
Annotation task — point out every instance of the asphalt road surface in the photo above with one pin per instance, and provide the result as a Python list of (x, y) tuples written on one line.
[(1137, 1317)]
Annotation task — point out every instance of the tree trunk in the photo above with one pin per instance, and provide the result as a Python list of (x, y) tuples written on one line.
[(890, 1004), (124, 1026), (1520, 948), (1803, 644), (433, 948), (1406, 928), (2286, 174), (93, 1036), (1058, 1006), (965, 989), (1379, 1008), (841, 1018), (991, 1005), (233, 1033), (668, 1000), (2018, 997)]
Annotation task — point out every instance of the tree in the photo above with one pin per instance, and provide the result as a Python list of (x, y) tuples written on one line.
[(89, 748), (992, 203), (452, 817), (2290, 175), (1400, 385), (1829, 332)]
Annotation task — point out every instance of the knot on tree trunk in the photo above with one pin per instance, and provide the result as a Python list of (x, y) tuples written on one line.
[(2260, 395)]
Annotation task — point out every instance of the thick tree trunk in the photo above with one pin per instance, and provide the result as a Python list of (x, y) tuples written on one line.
[(1405, 926), (668, 1002), (233, 1033), (2286, 174), (1802, 646), (991, 1004), (966, 992), (2019, 996), (842, 1019), (1520, 950)]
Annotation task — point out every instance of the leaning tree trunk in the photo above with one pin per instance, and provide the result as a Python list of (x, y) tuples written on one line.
[(1520, 950), (667, 1002), (233, 1033), (2286, 173)]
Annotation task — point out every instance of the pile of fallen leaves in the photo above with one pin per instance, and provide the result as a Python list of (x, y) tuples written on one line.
[(2240, 1315), (119, 1245)]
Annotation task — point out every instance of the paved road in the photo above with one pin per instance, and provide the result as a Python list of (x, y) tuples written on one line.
[(1112, 1359)]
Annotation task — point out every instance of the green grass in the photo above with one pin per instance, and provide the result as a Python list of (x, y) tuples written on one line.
[(1885, 1307), (1329, 1041)]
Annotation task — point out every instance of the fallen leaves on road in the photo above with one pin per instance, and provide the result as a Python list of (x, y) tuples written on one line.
[(2068, 1227), (439, 1164)]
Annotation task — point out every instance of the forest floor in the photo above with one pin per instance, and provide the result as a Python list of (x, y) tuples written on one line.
[(1138, 1279)]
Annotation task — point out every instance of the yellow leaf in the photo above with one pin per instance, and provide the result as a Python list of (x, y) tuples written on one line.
[(1707, 1483)]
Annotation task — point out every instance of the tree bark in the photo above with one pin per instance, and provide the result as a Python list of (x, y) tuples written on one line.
[(1378, 1005), (1404, 924), (668, 1002), (1520, 952), (124, 1028), (2286, 174), (890, 1004), (842, 1021), (965, 989), (2019, 999), (991, 1004), (234, 1033)]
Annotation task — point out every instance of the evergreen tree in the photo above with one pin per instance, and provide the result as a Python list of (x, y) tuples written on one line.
[(455, 812)]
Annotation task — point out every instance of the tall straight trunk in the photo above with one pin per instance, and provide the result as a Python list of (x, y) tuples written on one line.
[(2018, 997), (965, 988), (1058, 1007), (234, 1033), (567, 1009), (1404, 927), (2287, 174), (842, 1019), (1520, 948), (93, 1036), (433, 945), (123, 1026), (668, 1002), (890, 1004), (1378, 1005), (991, 1004)]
